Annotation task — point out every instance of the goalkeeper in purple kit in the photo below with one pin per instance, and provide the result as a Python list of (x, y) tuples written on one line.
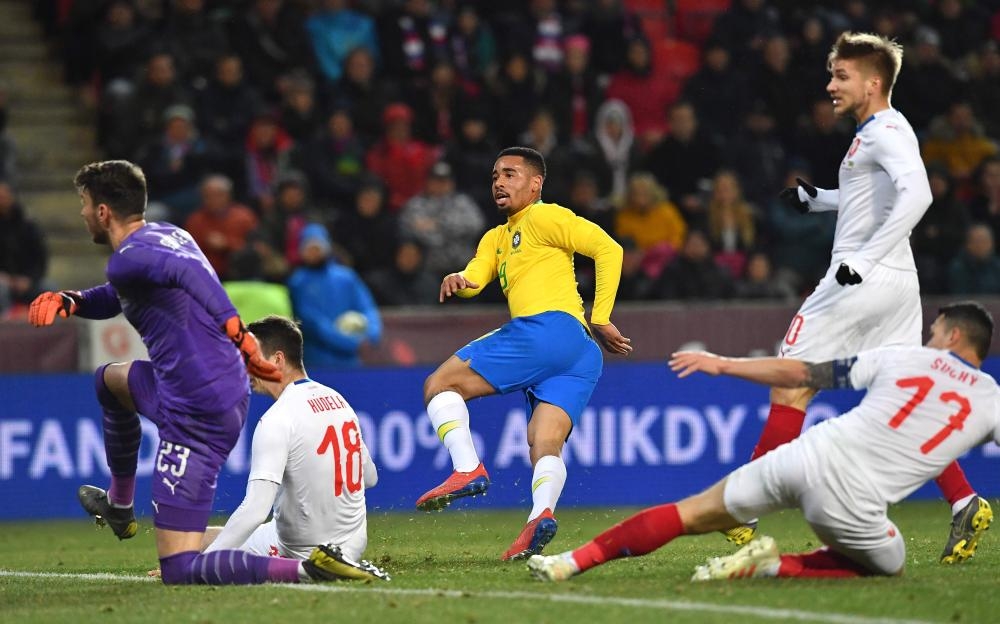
[(194, 386)]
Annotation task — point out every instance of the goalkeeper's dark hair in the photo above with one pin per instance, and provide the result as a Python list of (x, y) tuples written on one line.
[(974, 320), (532, 157), (118, 183), (277, 333), (883, 55)]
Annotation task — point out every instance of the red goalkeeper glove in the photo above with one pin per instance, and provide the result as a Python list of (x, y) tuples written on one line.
[(246, 342), (47, 305)]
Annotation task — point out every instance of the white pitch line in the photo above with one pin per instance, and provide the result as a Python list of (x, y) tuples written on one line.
[(765, 613)]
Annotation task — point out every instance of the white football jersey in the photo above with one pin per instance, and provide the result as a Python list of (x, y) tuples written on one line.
[(924, 408), (884, 149), (310, 443)]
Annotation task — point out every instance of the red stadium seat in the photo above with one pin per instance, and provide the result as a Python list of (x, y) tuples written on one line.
[(676, 59), (656, 28), (651, 7), (694, 19)]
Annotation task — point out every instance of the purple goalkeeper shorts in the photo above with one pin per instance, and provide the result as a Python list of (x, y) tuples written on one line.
[(193, 448)]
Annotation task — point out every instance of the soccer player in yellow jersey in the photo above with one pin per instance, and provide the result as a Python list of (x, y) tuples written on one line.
[(545, 351)]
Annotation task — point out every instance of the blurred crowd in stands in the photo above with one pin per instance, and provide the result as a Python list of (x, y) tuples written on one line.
[(672, 124)]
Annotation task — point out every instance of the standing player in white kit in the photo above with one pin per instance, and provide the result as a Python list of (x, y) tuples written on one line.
[(870, 296), (308, 454)]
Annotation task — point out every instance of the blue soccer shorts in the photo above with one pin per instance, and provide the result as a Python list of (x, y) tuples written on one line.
[(549, 356)]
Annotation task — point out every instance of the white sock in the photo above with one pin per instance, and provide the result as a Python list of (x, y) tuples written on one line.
[(546, 484), (568, 558), (303, 575), (450, 418), (961, 503)]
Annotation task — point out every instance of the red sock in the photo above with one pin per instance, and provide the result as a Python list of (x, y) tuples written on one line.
[(822, 563), (642, 533), (784, 424), (953, 483)]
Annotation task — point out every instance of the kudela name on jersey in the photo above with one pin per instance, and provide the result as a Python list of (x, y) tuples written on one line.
[(326, 404)]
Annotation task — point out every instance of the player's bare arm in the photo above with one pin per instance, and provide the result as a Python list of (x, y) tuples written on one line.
[(780, 372), (612, 340), (452, 283), (830, 374)]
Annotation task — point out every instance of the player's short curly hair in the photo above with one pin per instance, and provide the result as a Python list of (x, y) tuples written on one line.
[(277, 333), (119, 184), (883, 55), (532, 157)]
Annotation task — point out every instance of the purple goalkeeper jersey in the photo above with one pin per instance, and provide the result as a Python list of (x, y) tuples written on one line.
[(164, 285)]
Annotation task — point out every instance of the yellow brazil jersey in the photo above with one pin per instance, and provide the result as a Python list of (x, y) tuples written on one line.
[(532, 256)]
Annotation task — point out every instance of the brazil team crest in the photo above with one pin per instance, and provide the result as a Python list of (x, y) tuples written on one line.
[(516, 240)]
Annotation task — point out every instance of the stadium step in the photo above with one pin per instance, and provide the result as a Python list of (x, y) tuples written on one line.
[(17, 20), (28, 75), (77, 272), (54, 135)]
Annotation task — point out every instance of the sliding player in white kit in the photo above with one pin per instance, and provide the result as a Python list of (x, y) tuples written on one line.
[(308, 460), (870, 296), (924, 407)]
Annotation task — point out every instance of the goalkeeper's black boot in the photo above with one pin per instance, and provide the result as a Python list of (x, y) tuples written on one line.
[(120, 519)]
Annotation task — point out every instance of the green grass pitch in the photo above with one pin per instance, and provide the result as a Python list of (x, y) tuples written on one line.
[(446, 569)]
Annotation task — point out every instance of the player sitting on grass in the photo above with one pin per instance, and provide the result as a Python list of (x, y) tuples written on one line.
[(318, 497), (924, 407)]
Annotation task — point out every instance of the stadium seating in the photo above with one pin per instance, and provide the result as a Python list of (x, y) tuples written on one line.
[(675, 59), (694, 19)]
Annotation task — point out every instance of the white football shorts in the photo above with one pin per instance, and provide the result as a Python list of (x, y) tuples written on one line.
[(264, 542), (839, 505), (840, 321)]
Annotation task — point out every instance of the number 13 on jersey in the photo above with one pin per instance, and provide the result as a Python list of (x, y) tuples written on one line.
[(346, 447)]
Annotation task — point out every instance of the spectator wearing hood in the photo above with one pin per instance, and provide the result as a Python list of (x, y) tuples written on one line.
[(336, 310), (615, 138)]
